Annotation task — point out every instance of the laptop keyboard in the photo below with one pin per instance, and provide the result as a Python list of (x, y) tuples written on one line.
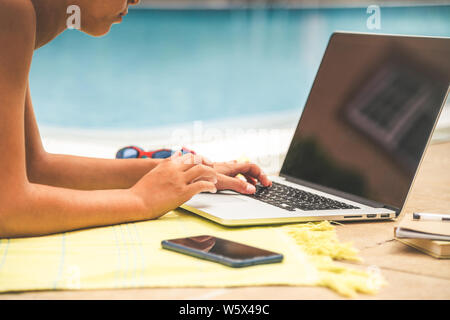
[(289, 198)]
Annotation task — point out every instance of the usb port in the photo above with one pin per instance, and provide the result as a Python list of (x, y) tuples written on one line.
[(371, 216), (385, 215)]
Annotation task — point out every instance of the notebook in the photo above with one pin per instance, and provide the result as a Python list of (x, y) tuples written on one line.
[(431, 237), (434, 248)]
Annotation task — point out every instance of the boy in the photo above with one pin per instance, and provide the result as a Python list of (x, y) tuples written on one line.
[(44, 193)]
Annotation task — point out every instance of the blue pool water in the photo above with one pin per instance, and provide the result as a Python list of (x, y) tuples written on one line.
[(163, 67)]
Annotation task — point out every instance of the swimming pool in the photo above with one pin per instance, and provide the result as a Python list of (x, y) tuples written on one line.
[(165, 67)]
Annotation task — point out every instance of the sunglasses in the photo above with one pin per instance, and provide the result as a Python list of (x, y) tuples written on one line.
[(133, 152)]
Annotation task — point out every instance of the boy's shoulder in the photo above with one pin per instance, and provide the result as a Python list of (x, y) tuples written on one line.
[(20, 10), (17, 3), (17, 17)]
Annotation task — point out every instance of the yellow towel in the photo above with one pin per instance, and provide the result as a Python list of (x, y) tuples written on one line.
[(130, 256)]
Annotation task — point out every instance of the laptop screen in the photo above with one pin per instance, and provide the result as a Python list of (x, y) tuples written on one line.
[(370, 112)]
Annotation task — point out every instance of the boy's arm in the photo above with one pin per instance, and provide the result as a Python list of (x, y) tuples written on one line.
[(99, 174), (74, 172)]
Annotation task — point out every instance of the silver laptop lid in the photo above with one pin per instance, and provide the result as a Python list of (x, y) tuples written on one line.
[(369, 116)]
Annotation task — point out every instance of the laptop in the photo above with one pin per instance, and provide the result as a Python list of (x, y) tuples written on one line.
[(360, 139)]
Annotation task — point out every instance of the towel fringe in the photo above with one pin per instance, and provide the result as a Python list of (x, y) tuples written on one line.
[(319, 241)]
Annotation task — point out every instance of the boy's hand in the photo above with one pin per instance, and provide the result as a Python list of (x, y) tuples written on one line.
[(173, 182), (227, 173), (227, 180)]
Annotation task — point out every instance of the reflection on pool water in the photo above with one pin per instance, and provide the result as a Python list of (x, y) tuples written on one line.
[(163, 67)]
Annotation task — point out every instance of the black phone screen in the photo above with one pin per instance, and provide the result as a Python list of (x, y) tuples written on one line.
[(221, 247)]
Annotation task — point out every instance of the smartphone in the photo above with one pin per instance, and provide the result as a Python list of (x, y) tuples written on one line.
[(229, 253)]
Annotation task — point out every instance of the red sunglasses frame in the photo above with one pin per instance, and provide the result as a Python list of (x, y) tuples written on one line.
[(149, 154)]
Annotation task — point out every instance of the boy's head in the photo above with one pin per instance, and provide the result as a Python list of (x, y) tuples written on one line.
[(97, 16)]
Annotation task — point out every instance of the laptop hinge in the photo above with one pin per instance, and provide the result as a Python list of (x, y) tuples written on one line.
[(345, 195), (397, 210)]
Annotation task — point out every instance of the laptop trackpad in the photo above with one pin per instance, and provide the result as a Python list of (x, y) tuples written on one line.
[(203, 200)]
